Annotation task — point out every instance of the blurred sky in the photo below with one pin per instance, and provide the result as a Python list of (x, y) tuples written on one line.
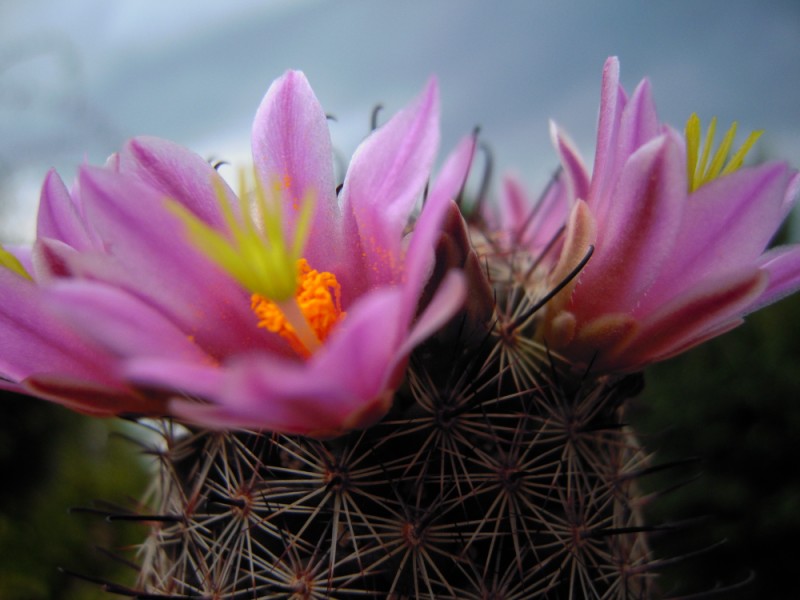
[(77, 78)]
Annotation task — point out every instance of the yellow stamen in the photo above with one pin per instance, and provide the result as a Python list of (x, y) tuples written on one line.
[(317, 299), (11, 262), (699, 171), (288, 296)]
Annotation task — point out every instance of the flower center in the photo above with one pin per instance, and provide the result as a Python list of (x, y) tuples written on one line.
[(289, 298), (318, 299), (698, 168)]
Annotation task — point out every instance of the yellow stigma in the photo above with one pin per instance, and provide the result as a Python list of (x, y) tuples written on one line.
[(698, 168), (254, 249), (318, 298), (288, 297), (11, 262)]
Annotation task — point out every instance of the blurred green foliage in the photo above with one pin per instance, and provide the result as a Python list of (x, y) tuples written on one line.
[(51, 461), (734, 405)]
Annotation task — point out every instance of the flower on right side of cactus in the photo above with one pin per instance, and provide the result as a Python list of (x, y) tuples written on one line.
[(679, 235)]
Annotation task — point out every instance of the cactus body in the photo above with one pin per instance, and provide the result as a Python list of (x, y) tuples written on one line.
[(499, 474)]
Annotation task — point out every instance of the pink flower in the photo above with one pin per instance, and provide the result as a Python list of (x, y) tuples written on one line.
[(152, 289), (531, 225), (680, 238)]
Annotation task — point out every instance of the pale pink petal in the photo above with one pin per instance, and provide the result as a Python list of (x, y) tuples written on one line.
[(453, 176), (533, 225), (362, 352)]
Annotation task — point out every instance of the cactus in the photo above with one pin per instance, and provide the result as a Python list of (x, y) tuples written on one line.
[(462, 433), (500, 473)]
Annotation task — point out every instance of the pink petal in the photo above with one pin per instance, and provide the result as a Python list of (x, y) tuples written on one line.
[(94, 399), (418, 263), (120, 322), (581, 234), (639, 122), (639, 231), (292, 151), (575, 175), (549, 218), (727, 223), (451, 179), (792, 194), (24, 254), (10, 386), (606, 159), (362, 352), (288, 402), (189, 379), (59, 218), (514, 207), (40, 342), (186, 287), (698, 339), (346, 379), (51, 258), (708, 307), (783, 266), (449, 298), (254, 391), (176, 173), (386, 177)]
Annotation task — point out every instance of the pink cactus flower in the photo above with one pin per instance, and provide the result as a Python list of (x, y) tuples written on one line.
[(680, 237), (534, 226), (152, 289)]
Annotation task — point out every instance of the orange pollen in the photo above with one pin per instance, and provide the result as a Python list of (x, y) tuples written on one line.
[(319, 298)]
